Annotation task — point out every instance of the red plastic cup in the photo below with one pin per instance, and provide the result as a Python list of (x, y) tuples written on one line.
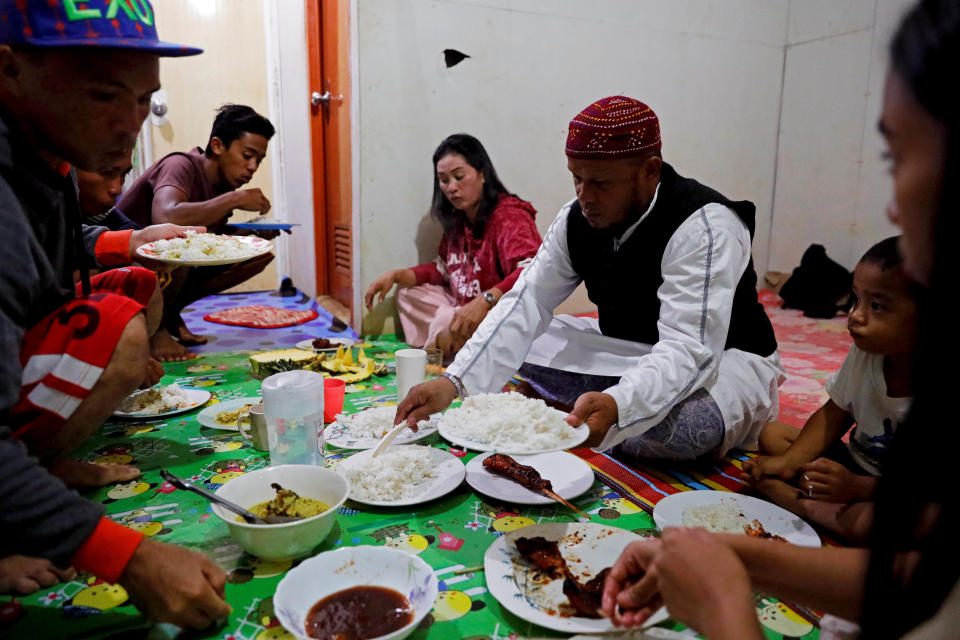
[(333, 391)]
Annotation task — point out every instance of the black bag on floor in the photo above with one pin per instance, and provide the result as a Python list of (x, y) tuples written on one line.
[(819, 286)]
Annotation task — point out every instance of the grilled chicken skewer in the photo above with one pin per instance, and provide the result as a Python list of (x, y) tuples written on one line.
[(504, 465)]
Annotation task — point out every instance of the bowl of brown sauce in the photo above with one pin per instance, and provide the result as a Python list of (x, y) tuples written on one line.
[(356, 593)]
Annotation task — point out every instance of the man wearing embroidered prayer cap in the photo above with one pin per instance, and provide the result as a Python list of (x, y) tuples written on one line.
[(682, 361), (75, 86)]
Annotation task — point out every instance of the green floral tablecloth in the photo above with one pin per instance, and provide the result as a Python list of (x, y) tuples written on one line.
[(450, 534)]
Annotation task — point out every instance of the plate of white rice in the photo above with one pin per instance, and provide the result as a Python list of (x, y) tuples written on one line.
[(205, 249), (156, 402), (364, 429), (725, 512), (402, 475), (510, 423)]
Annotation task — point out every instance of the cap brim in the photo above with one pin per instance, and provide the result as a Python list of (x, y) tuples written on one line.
[(162, 49)]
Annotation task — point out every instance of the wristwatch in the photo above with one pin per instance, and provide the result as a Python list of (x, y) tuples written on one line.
[(489, 298)]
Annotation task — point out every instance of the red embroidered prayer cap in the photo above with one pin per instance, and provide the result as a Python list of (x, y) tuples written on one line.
[(613, 127)]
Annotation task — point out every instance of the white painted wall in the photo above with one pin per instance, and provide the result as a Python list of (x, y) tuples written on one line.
[(769, 100)]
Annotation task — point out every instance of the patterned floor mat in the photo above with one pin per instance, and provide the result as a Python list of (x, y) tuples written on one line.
[(229, 338)]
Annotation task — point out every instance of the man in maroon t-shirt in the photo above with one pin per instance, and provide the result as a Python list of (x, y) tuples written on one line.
[(202, 187)]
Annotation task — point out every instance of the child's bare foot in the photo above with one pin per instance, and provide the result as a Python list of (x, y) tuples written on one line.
[(81, 474), (781, 493), (165, 349), (185, 336), (24, 575)]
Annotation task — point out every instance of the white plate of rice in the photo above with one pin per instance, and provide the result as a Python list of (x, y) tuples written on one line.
[(157, 402), (402, 475), (725, 512), (510, 423), (364, 429), (205, 249)]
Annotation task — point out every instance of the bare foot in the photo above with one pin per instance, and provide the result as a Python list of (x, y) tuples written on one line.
[(81, 474), (165, 349), (24, 575), (185, 336), (152, 374)]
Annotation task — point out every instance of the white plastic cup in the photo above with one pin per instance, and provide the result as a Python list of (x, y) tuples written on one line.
[(293, 407), (411, 370)]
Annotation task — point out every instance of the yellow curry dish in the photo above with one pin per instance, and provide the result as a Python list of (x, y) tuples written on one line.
[(231, 418), (288, 503)]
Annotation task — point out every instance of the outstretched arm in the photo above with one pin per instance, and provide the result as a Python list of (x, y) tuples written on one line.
[(826, 426), (682, 570)]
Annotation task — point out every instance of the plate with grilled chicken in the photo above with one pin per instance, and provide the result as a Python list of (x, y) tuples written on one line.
[(526, 479), (553, 574)]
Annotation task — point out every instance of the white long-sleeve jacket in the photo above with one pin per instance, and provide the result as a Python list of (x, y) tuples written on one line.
[(701, 266)]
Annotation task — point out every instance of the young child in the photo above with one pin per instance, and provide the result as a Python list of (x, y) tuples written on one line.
[(811, 471)]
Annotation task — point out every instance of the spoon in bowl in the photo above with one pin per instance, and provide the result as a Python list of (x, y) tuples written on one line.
[(249, 517)]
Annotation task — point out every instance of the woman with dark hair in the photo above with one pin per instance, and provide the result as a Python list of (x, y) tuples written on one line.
[(489, 235), (905, 585)]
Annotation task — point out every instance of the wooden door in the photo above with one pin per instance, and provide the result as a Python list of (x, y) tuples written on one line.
[(328, 49)]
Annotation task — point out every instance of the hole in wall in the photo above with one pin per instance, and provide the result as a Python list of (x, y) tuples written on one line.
[(452, 57)]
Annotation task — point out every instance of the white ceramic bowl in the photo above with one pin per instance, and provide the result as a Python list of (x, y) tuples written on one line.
[(293, 539), (332, 571)]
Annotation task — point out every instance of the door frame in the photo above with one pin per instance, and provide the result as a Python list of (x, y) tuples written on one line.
[(289, 150), (331, 38)]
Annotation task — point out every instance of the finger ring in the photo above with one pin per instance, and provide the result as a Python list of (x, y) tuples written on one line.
[(810, 490)]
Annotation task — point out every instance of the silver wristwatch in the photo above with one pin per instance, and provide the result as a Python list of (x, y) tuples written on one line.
[(458, 385), (489, 298)]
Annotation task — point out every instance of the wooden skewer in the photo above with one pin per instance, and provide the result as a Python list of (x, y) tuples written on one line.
[(467, 570), (564, 502)]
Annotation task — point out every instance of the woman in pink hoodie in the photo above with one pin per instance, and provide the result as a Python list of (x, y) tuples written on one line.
[(489, 235)]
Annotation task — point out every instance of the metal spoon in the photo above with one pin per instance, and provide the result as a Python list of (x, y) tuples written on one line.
[(251, 518)]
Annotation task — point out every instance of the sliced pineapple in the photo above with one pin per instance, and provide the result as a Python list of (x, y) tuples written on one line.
[(267, 363), (357, 373)]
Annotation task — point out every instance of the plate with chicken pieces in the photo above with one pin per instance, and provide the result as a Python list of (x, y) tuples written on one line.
[(521, 479), (553, 574)]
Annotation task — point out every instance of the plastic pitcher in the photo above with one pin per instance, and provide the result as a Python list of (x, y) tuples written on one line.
[(293, 406)]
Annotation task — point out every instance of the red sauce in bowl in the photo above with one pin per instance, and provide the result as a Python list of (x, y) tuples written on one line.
[(359, 613)]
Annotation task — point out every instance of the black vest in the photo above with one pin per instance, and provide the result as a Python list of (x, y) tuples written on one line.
[(623, 284)]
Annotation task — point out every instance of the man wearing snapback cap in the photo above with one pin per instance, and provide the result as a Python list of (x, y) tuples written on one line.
[(75, 86), (682, 361)]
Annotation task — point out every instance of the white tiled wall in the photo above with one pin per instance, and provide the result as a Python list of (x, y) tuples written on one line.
[(715, 71), (831, 185)]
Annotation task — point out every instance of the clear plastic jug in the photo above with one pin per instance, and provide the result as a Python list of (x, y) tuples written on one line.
[(293, 406)]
